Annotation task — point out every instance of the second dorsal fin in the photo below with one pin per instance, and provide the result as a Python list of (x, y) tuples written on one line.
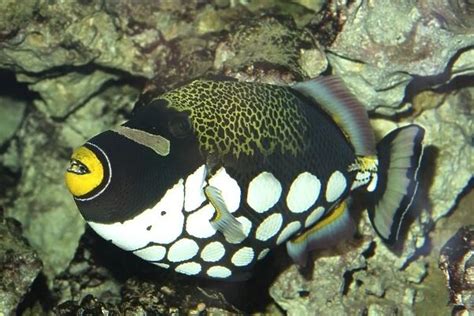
[(336, 100)]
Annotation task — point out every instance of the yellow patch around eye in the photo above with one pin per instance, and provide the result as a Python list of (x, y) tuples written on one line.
[(82, 183)]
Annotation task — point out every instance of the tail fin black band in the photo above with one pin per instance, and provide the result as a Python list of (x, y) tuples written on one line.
[(399, 155)]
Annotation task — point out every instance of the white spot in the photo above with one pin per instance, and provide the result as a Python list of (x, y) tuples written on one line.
[(194, 189), (336, 186), (243, 257), (189, 268), (263, 254), (229, 188), (264, 191), (161, 265), (361, 178), (373, 183), (213, 252), (152, 253), (219, 272), (288, 231), (161, 224), (198, 224), (314, 216), (183, 249), (304, 192), (269, 227)]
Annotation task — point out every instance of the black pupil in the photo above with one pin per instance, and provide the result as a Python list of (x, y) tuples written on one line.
[(78, 167)]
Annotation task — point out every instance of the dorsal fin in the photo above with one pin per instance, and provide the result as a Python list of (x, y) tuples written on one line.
[(333, 96)]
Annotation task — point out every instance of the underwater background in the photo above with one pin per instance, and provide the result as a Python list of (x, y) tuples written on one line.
[(71, 69)]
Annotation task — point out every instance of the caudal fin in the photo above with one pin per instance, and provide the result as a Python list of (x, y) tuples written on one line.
[(399, 156)]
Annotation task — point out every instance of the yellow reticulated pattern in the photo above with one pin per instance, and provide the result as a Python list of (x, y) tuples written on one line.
[(238, 118), (82, 184)]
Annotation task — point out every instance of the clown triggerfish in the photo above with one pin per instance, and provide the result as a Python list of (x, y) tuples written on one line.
[(206, 179)]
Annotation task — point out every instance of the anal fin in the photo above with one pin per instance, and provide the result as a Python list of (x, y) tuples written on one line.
[(323, 234), (223, 221)]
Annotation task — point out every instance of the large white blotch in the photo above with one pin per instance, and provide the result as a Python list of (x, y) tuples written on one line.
[(243, 257), (269, 227), (288, 231), (189, 268), (229, 188), (198, 224), (264, 191), (304, 192), (213, 252), (161, 224), (194, 189), (219, 272), (336, 186), (152, 253), (314, 216), (183, 249)]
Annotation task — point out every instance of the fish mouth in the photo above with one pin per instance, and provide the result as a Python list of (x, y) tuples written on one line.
[(77, 167)]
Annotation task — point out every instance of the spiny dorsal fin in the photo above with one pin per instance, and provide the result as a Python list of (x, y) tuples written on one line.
[(223, 220), (333, 96)]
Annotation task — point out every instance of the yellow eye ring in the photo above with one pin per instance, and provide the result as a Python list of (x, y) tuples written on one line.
[(85, 172)]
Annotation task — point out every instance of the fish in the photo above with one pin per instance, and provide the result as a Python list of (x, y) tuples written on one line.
[(206, 179)]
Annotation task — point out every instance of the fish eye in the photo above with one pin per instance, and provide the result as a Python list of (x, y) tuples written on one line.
[(77, 167), (180, 126), (85, 172)]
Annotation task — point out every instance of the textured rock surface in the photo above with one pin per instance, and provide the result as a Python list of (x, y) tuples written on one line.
[(457, 263), (19, 265), (48, 214), (385, 44), (11, 114), (86, 61)]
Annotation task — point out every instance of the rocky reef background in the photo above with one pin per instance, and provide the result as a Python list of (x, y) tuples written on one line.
[(71, 69)]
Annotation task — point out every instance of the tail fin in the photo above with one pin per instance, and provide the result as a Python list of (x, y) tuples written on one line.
[(399, 156)]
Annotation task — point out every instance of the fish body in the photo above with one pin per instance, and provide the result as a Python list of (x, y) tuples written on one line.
[(206, 179)]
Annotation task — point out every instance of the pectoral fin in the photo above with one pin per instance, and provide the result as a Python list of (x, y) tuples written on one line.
[(325, 233), (223, 220)]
